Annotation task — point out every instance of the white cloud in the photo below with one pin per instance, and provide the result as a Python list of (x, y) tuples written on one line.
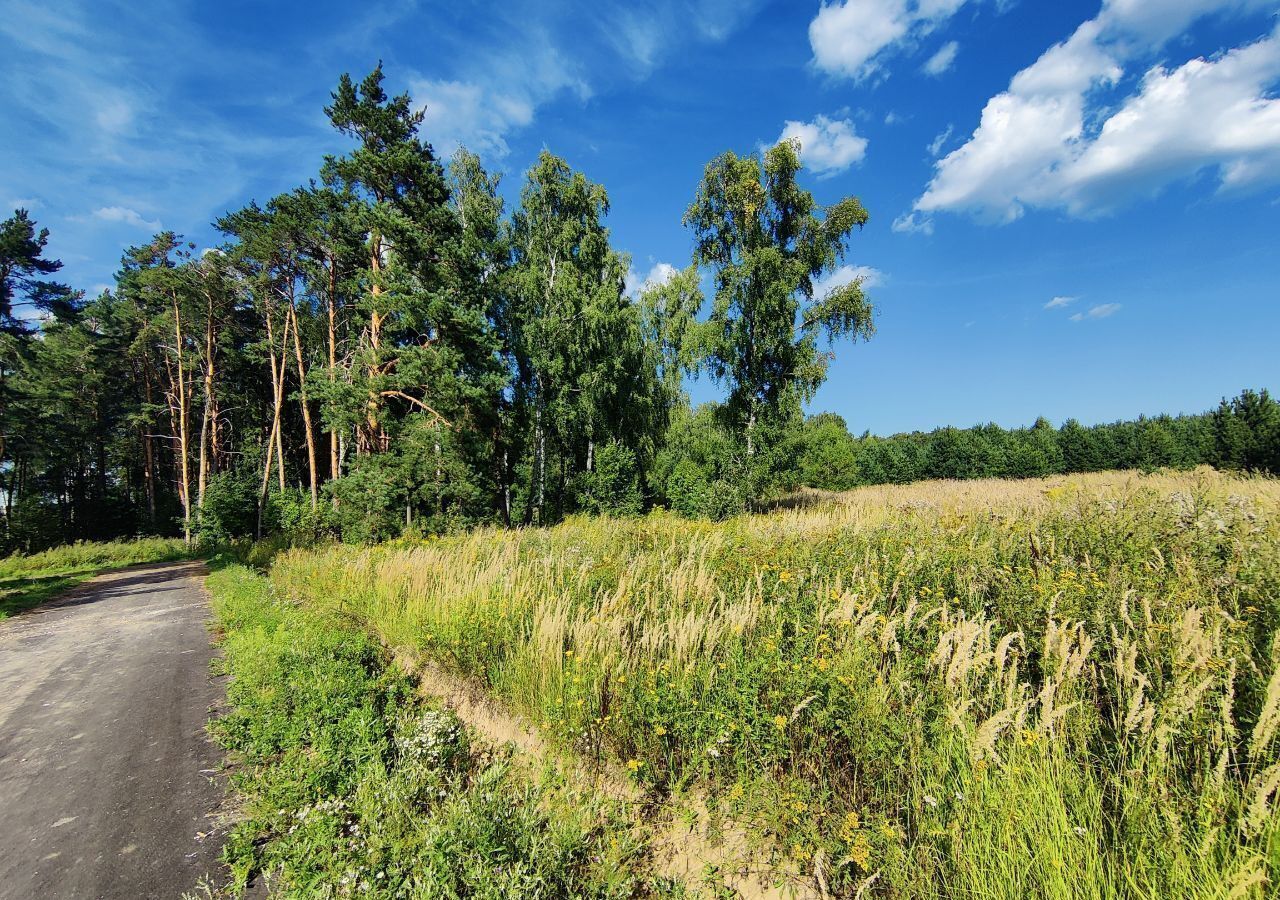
[(461, 113), (913, 223), (533, 54), (1039, 143), (1059, 302), (851, 37), (940, 141), (868, 276), (126, 216), (644, 34), (892, 118), (659, 274), (941, 61), (717, 19), (1101, 311), (502, 94), (827, 146), (1214, 114)]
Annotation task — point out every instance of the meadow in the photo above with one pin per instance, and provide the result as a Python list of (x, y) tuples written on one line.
[(1066, 687)]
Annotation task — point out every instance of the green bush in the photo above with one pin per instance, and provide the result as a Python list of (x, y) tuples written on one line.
[(230, 507), (612, 486)]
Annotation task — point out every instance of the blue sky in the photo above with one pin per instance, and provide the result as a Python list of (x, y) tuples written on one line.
[(1075, 205)]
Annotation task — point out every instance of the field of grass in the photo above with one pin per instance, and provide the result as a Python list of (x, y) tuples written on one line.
[(351, 785), (27, 581), (1058, 688)]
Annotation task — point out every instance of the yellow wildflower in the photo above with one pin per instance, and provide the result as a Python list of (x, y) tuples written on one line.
[(780, 723), (633, 765), (860, 851), (659, 730), (849, 826)]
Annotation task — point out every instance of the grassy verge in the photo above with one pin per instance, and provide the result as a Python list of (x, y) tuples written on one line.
[(352, 786), (28, 581), (1065, 688)]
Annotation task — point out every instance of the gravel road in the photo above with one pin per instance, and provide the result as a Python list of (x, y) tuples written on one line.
[(109, 786)]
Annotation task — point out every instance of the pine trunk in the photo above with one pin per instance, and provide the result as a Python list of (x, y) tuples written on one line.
[(274, 440), (306, 411), (181, 414), (207, 414), (335, 455)]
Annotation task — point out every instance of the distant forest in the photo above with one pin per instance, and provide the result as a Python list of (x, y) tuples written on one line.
[(1241, 434), (388, 349)]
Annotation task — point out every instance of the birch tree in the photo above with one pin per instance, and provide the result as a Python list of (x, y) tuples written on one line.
[(766, 242)]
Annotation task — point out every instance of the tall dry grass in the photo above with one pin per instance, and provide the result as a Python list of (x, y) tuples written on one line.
[(1058, 688)]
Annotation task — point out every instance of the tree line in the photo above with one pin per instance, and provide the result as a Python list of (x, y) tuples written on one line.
[(1241, 434), (388, 347)]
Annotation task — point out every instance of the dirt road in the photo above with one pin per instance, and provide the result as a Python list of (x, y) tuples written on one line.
[(107, 786)]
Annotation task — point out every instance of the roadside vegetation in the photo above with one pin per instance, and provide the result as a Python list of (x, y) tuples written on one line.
[(27, 581), (1059, 688), (352, 786)]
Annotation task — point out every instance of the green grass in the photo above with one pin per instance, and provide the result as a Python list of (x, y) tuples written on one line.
[(351, 786), (1060, 688), (28, 581)]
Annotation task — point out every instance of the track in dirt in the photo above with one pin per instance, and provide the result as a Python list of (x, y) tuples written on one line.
[(108, 781)]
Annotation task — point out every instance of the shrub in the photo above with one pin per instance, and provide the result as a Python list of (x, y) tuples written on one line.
[(612, 486)]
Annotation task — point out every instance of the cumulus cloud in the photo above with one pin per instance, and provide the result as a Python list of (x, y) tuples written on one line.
[(868, 276), (1101, 311), (1059, 302), (941, 61), (1050, 141), (126, 216), (659, 274), (827, 146), (851, 38), (913, 223)]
